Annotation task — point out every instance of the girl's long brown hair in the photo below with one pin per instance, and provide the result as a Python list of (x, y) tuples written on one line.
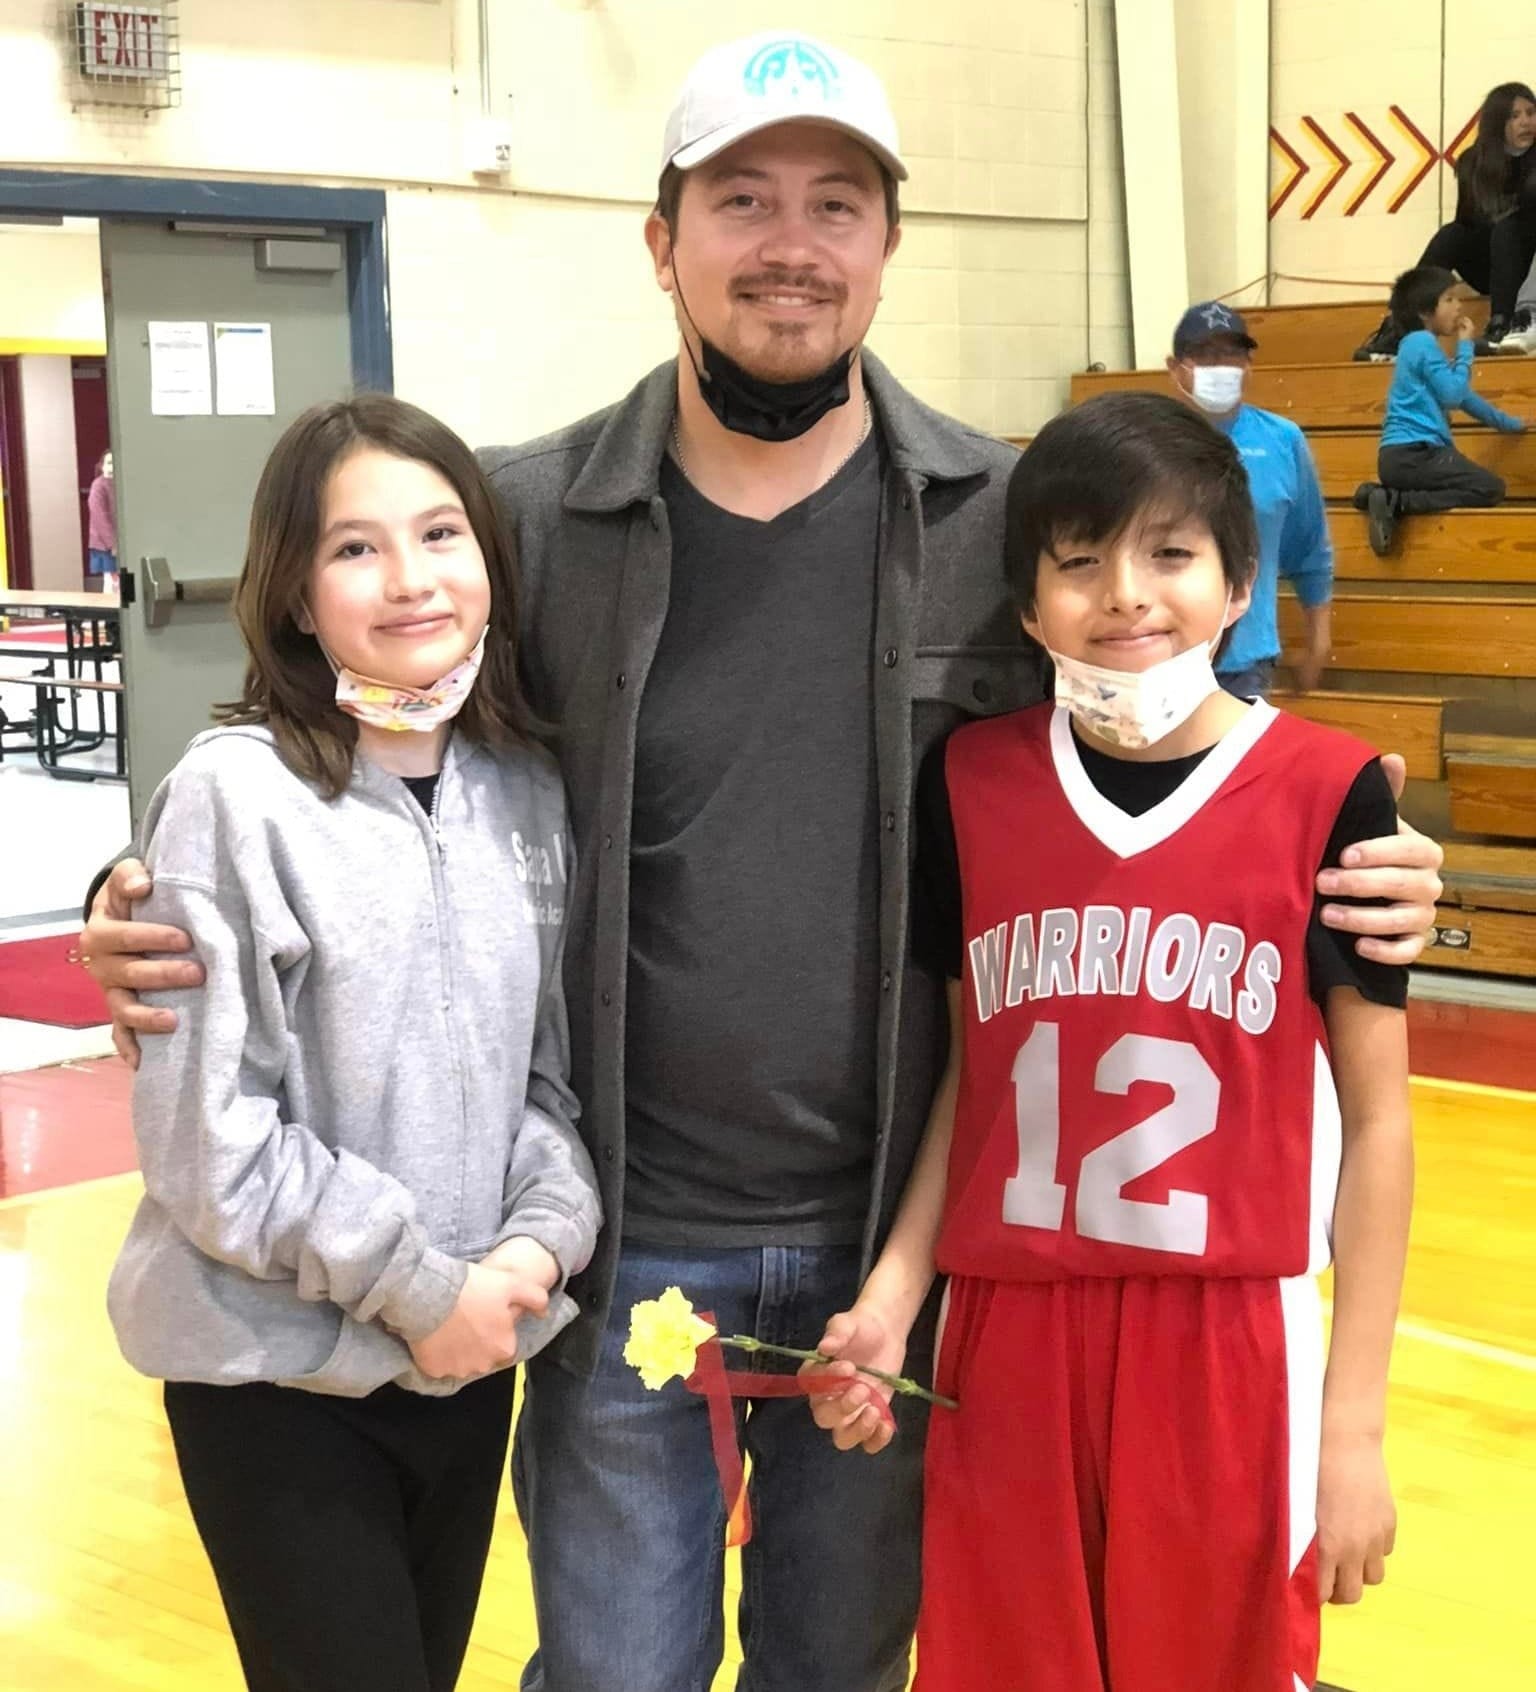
[(289, 686), (1490, 162)]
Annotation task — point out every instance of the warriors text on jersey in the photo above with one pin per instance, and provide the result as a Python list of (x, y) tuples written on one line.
[(1146, 1088)]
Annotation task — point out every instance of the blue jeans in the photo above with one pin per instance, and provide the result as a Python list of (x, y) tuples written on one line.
[(619, 1494), (1252, 683)]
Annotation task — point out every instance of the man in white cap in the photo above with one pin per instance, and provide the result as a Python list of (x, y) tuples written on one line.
[(757, 590)]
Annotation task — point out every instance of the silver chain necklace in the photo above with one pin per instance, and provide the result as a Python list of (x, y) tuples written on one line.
[(864, 428)]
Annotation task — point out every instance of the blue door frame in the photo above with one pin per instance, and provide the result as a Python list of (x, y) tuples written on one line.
[(354, 214)]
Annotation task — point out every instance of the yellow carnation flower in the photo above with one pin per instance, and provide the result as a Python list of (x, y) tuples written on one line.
[(664, 1336)]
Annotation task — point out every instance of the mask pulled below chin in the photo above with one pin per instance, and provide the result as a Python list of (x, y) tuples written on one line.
[(770, 411), (405, 710), (1135, 708)]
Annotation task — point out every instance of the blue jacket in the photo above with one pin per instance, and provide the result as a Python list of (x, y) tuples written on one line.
[(1427, 387), (1293, 531)]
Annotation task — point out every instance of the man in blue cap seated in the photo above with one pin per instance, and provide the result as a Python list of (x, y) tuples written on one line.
[(1212, 355)]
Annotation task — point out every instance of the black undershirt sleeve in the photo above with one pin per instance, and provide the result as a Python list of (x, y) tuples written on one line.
[(1368, 812), (937, 934)]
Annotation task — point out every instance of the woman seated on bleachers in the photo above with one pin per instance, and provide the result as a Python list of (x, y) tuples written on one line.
[(1492, 239)]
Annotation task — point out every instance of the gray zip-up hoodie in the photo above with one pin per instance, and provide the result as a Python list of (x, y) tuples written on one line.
[(372, 1089)]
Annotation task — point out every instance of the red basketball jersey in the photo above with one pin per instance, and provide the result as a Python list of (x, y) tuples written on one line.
[(1146, 1087)]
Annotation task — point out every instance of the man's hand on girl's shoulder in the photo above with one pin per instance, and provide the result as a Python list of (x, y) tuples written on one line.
[(123, 958)]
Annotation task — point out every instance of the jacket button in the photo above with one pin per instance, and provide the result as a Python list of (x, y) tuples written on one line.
[(890, 657), (981, 688), (607, 997), (655, 519), (906, 499), (607, 1154), (607, 842), (885, 982), (889, 822), (622, 679)]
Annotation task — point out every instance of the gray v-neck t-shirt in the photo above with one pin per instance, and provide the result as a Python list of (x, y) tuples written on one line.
[(754, 878)]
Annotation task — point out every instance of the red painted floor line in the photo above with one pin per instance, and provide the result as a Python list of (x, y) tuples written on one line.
[(65, 1124), (1494, 1048)]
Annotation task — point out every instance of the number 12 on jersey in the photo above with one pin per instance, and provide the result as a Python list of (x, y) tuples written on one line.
[(1034, 1198)]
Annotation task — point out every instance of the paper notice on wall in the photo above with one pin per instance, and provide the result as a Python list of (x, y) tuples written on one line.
[(180, 380), (242, 359)]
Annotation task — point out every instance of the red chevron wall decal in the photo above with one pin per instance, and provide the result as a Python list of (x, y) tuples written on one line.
[(1335, 176), (1463, 136), (1430, 154), (1385, 162), (1422, 155), (1298, 169)]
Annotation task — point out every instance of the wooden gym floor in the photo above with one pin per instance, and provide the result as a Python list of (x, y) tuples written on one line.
[(103, 1585)]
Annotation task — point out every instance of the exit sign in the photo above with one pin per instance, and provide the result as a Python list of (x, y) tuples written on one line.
[(121, 43)]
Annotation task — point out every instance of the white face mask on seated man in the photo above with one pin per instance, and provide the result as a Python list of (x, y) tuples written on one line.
[(1217, 388)]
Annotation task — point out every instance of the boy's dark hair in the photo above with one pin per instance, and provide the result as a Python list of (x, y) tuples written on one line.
[(1416, 293), (669, 196), (289, 685), (1092, 472)]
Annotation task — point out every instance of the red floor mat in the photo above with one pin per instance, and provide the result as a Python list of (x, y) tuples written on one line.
[(39, 984)]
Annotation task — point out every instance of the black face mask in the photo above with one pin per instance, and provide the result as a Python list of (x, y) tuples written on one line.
[(768, 411)]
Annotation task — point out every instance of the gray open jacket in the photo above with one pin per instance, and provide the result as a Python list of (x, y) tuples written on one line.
[(595, 552), (372, 1089)]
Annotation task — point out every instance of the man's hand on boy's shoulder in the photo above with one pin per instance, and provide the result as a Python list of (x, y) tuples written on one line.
[(120, 953), (1403, 869)]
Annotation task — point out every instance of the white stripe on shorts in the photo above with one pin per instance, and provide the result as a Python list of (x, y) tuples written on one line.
[(1301, 1313)]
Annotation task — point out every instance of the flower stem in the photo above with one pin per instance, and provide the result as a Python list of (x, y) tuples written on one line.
[(897, 1383)]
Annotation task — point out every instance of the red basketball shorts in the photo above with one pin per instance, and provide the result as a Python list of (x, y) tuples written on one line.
[(1124, 1501)]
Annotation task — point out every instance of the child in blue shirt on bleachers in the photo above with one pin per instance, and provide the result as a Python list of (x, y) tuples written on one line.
[(1420, 469)]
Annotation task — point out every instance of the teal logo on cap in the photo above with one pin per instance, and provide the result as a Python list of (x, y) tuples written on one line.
[(792, 68)]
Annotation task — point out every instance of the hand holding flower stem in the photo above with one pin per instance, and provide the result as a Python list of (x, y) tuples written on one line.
[(897, 1383), (665, 1335)]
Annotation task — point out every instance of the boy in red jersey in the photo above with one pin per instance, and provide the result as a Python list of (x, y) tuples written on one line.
[(1170, 1096)]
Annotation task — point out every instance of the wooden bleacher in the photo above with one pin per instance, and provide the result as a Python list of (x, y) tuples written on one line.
[(1405, 723), (1347, 457), (1328, 332), (1456, 547), (1408, 633), (1330, 396), (1434, 647)]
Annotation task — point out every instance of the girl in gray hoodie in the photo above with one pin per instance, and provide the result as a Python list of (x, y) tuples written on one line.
[(364, 1187)]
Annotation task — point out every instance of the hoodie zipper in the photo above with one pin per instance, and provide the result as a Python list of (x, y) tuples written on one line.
[(447, 934)]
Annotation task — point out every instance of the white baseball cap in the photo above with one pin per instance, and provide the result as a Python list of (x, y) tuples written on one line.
[(778, 77)]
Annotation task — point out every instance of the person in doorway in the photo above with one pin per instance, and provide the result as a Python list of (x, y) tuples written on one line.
[(1146, 1442), (753, 1050), (101, 529), (1491, 241), (1419, 467), (360, 1206), (1212, 356)]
